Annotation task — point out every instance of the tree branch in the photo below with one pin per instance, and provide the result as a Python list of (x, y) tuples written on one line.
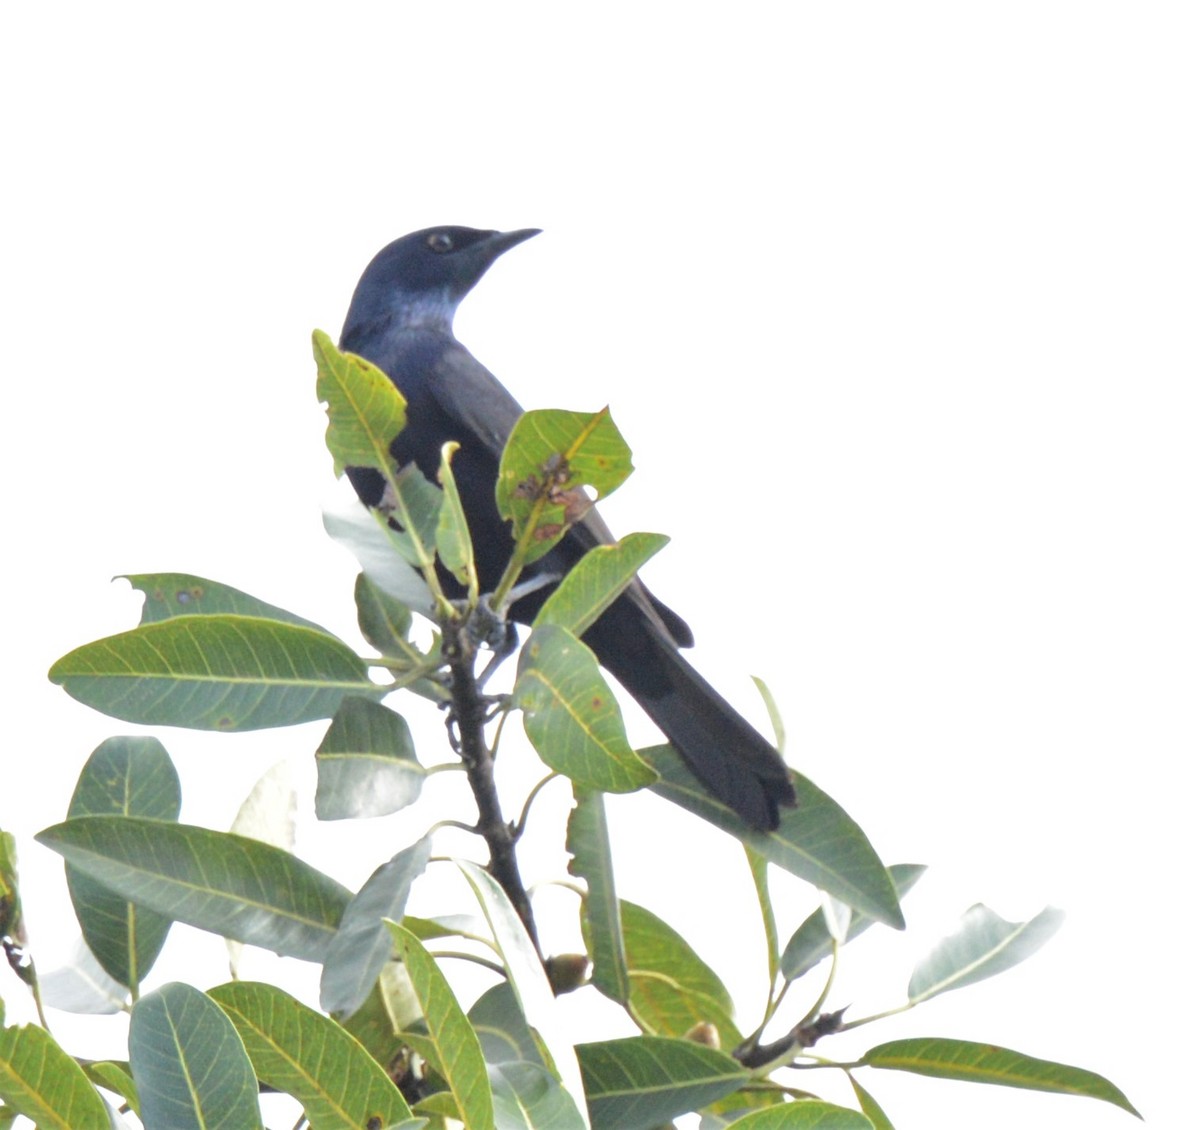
[(804, 1035), (468, 711)]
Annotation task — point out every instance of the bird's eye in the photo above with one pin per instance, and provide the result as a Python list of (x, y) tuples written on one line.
[(440, 242)]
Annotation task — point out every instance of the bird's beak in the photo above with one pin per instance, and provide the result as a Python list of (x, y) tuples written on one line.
[(500, 242)]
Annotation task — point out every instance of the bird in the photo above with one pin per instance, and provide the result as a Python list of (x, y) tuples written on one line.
[(401, 319)]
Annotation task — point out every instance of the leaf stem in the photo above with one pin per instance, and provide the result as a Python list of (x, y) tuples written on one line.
[(879, 1016)]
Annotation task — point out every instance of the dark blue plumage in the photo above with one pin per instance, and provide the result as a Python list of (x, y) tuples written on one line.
[(401, 318)]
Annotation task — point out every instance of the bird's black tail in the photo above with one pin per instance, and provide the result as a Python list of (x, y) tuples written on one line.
[(730, 758)]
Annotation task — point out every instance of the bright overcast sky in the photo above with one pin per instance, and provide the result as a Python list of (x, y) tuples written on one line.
[(896, 305)]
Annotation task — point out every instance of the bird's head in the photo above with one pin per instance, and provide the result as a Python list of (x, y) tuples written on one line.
[(421, 278)]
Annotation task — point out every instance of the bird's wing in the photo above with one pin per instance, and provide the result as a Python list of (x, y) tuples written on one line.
[(468, 393)]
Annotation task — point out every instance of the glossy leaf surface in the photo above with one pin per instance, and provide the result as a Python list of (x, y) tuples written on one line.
[(983, 945), (596, 581), (816, 840), (986, 1063), (807, 1114), (366, 411), (644, 1081), (571, 714), (363, 943), (220, 672), (528, 1097), (811, 944), (39, 1080), (185, 594), (298, 1051), (125, 776), (459, 1056), (189, 1064), (671, 987), (587, 841), (232, 885)]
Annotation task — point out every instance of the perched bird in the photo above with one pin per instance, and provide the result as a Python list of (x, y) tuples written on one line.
[(401, 318)]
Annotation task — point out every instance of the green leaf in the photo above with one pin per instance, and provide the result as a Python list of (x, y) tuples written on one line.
[(640, 1082), (391, 1008), (671, 988), (528, 1097), (811, 944), (527, 978), (571, 716), (873, 1111), (446, 926), (189, 1064), (459, 1056), (453, 534), (366, 411), (39, 1080), (268, 814), (986, 1063), (758, 872), (125, 776), (366, 764), (231, 885), (363, 944), (596, 581), (415, 505), (500, 1025), (772, 713), (816, 840), (383, 620), (298, 1051), (983, 945), (114, 1077), (370, 541), (12, 918), (80, 985), (549, 457), (724, 1112), (219, 672), (807, 1114), (588, 843), (184, 594)]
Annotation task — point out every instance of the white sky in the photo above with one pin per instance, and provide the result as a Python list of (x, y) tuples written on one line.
[(896, 306)]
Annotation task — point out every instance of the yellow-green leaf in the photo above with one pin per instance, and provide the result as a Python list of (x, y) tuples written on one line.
[(571, 716), (298, 1051), (550, 458), (596, 581), (42, 1082), (459, 1055), (366, 411), (986, 1063)]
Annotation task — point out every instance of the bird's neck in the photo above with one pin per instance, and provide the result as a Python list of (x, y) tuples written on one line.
[(425, 312)]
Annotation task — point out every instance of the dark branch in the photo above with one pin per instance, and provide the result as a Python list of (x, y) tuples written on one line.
[(800, 1037), (469, 712)]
